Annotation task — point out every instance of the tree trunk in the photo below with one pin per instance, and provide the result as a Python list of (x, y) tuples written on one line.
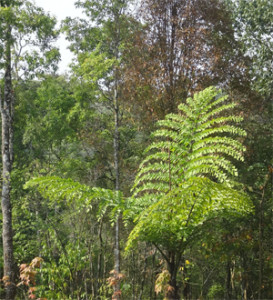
[(117, 187), (261, 236), (7, 148), (173, 292), (99, 274), (228, 281), (116, 141)]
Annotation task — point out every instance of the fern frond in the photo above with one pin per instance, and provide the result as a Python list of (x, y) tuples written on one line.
[(216, 111), (158, 156), (160, 146), (152, 187), (213, 164), (198, 141), (211, 103), (221, 120), (182, 210), (165, 133), (153, 172), (170, 124), (58, 189), (219, 140), (223, 129), (188, 111), (174, 192), (219, 149)]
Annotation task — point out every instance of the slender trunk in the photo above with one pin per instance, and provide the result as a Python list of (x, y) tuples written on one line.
[(261, 234), (99, 265), (7, 155), (271, 177), (152, 292), (117, 188), (92, 274), (268, 177), (116, 141), (228, 281), (143, 275), (244, 279), (170, 90)]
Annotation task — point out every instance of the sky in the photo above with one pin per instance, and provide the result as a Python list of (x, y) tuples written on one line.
[(61, 9)]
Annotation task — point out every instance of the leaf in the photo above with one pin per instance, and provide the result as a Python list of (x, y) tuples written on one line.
[(72, 193), (198, 141), (187, 176)]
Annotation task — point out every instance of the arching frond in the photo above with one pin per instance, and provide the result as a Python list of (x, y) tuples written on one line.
[(183, 210), (71, 193), (200, 140)]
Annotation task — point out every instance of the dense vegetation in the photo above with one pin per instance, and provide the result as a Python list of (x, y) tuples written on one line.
[(146, 172)]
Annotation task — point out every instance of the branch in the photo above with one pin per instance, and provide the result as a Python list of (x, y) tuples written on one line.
[(192, 207), (162, 253)]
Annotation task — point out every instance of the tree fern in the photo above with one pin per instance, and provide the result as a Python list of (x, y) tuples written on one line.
[(182, 183), (198, 141)]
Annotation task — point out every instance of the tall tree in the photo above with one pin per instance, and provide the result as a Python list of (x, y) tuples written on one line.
[(252, 21), (183, 46), (255, 17), (7, 108), (14, 16), (99, 64)]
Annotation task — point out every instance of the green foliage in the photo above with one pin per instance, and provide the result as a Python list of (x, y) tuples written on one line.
[(61, 192), (33, 34), (174, 181), (216, 291), (47, 125), (60, 278), (179, 215), (72, 206), (185, 200), (99, 44), (186, 182), (96, 67), (102, 11), (255, 17), (196, 142)]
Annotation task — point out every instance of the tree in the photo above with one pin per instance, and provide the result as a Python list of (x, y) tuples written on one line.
[(255, 17), (100, 65), (13, 16), (48, 133), (182, 47), (191, 216), (175, 192), (7, 107)]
